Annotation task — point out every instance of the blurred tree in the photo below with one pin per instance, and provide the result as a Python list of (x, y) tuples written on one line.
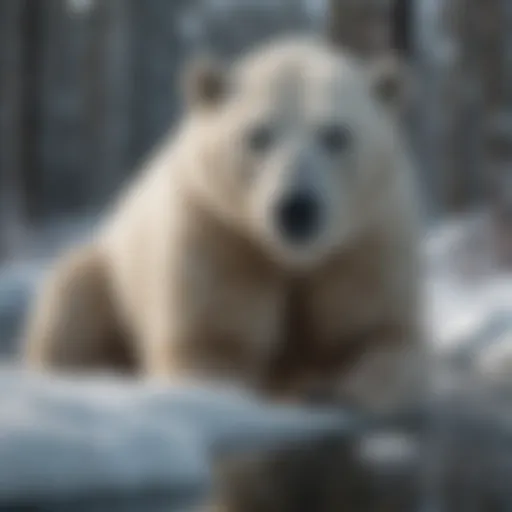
[(109, 96), (12, 123), (401, 27), (363, 25)]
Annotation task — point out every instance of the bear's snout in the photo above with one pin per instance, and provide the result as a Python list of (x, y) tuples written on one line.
[(298, 217)]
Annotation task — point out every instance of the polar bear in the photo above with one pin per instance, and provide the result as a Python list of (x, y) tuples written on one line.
[(271, 239)]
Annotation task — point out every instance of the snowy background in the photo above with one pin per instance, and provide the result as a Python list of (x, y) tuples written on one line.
[(88, 87)]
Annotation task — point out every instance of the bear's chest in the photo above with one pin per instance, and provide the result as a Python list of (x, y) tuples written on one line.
[(331, 321), (339, 303)]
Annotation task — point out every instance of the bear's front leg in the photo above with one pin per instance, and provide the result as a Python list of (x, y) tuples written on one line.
[(209, 318), (72, 324)]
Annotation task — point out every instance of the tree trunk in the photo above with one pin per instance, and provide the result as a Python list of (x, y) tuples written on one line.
[(11, 124), (362, 25), (109, 97)]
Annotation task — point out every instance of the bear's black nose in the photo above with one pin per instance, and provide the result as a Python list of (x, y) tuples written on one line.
[(298, 217)]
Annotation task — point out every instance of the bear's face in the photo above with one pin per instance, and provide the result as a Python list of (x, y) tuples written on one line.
[(294, 149)]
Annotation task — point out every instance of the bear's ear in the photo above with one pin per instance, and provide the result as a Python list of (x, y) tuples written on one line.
[(388, 80), (204, 82)]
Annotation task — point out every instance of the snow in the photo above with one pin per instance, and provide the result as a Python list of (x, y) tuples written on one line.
[(468, 297), (63, 437)]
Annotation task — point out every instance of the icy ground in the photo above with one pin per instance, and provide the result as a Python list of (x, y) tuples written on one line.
[(105, 445), (71, 441)]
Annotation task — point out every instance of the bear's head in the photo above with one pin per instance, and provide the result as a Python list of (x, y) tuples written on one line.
[(295, 144)]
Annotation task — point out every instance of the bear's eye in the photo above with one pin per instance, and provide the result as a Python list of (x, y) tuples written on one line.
[(260, 138), (335, 138)]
